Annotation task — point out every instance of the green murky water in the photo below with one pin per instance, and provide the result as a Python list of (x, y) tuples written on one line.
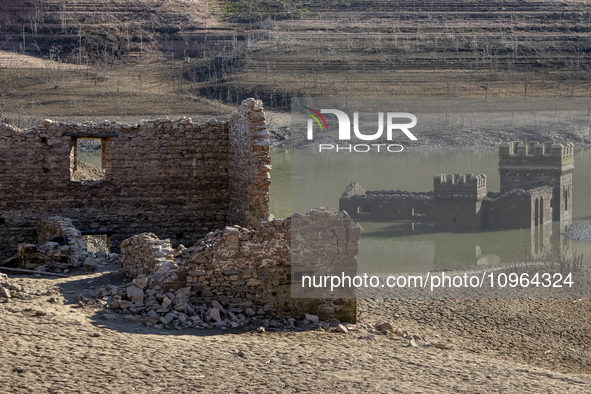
[(319, 180), (90, 157)]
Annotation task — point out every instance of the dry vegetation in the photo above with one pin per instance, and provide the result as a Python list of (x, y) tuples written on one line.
[(158, 57)]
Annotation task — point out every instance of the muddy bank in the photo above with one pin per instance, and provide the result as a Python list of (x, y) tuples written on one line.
[(281, 137), (579, 232), (55, 343)]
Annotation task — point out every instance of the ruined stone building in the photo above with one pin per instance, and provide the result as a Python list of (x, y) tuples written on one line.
[(536, 189), (175, 178), (186, 204)]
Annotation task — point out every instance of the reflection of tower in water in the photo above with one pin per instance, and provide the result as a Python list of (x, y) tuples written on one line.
[(537, 168)]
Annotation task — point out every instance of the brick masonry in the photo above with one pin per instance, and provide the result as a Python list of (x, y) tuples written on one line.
[(172, 177)]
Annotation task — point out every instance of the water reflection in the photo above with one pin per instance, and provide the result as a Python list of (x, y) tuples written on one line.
[(407, 246)]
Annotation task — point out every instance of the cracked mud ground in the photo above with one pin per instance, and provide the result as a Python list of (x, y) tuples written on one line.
[(521, 346)]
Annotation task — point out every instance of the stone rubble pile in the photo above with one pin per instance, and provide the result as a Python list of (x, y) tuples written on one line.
[(177, 309), (61, 248), (48, 253), (174, 312), (232, 277)]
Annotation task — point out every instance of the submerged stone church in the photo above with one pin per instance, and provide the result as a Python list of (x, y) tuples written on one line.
[(536, 188)]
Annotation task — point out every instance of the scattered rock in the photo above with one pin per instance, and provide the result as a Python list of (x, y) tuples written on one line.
[(4, 292), (312, 318), (369, 337), (135, 294), (89, 263), (140, 282)]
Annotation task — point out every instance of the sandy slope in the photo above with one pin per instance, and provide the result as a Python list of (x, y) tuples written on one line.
[(71, 349), (15, 60)]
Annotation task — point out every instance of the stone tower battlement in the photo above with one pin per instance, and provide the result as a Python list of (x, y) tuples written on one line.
[(469, 186), (527, 165), (534, 153)]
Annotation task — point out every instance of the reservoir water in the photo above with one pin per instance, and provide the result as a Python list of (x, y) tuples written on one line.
[(303, 179), (404, 246)]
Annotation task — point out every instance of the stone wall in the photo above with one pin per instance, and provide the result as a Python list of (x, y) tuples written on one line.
[(60, 246), (246, 271), (249, 165), (172, 177), (518, 209), (385, 204)]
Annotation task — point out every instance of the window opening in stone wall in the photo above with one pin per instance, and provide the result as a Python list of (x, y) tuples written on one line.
[(364, 209), (86, 160), (565, 199)]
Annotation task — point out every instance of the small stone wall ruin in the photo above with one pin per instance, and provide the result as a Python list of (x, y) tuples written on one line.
[(60, 246), (246, 272)]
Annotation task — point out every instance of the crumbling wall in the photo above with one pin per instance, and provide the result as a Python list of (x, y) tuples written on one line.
[(246, 271), (386, 204), (249, 165), (166, 176), (61, 246), (517, 209), (144, 254)]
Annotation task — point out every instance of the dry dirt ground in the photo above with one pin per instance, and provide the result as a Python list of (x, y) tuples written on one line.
[(15, 60), (51, 344)]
